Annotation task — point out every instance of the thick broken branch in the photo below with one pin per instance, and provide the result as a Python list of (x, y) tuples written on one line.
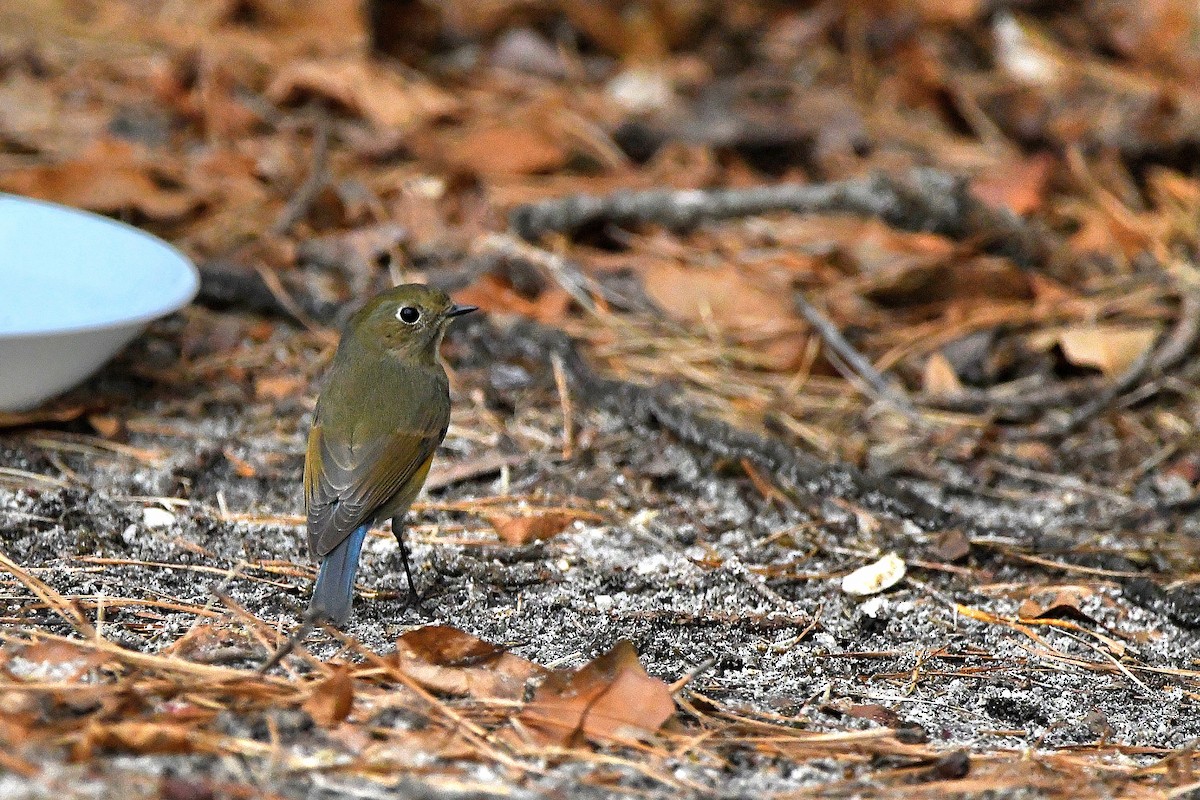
[(921, 200)]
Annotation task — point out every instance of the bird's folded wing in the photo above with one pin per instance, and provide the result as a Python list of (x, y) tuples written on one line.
[(345, 487)]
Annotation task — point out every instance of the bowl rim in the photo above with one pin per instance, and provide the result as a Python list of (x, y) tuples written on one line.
[(170, 306)]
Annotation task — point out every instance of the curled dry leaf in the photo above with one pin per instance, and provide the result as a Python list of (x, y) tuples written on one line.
[(1112, 349), (447, 660), (875, 578), (366, 88), (1064, 603), (518, 530), (110, 177), (332, 698), (611, 698)]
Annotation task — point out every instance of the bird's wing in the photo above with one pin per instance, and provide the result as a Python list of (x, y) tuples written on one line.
[(345, 486)]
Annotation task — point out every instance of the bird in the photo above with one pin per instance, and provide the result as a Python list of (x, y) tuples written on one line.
[(383, 412)]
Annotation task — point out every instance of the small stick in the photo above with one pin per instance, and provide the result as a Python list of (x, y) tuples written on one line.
[(309, 621), (693, 673), (318, 177), (564, 401), (856, 360)]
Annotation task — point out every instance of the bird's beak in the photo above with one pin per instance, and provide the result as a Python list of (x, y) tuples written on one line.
[(457, 310)]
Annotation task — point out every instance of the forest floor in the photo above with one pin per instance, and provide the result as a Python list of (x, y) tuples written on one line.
[(845, 284)]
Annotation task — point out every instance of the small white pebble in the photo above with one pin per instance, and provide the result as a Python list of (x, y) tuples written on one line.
[(874, 578), (155, 517), (652, 564), (604, 603), (875, 607), (641, 89), (643, 518), (129, 535)]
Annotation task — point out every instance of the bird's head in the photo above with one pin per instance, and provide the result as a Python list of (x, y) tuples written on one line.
[(407, 320)]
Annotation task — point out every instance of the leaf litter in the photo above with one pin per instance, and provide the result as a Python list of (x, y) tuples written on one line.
[(613, 607)]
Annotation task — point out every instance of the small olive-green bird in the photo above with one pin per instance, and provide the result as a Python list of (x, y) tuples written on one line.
[(384, 411)]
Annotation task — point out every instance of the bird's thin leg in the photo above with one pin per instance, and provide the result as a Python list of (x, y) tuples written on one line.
[(398, 532)]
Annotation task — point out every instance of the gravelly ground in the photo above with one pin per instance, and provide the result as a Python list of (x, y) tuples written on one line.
[(667, 569)]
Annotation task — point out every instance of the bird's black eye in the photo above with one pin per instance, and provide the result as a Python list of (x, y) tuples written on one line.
[(408, 314)]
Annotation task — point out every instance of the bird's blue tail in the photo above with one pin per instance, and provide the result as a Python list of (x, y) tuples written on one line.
[(334, 591)]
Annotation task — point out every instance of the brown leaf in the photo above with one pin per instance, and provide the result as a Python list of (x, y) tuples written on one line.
[(107, 426), (366, 88), (507, 150), (55, 661), (332, 699), (939, 377), (142, 737), (951, 545), (611, 698), (109, 177), (518, 530), (447, 660), (1020, 187), (495, 295), (878, 714), (1111, 349), (1065, 603), (748, 305)]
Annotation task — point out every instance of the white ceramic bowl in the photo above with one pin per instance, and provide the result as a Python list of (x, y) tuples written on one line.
[(74, 289)]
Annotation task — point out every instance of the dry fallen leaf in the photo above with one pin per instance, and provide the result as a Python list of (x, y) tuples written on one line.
[(1111, 349), (367, 88), (494, 295), (1019, 186), (332, 698), (144, 738), (518, 530), (1064, 603), (610, 698), (881, 715), (939, 377), (951, 545), (741, 304), (447, 660), (507, 150), (110, 177), (107, 426)]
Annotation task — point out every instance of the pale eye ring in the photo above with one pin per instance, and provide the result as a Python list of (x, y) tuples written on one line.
[(408, 314)]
